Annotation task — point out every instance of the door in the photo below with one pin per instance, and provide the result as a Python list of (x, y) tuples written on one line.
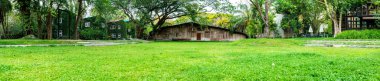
[(199, 36)]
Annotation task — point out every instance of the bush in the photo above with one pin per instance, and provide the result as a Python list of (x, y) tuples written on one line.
[(29, 37), (93, 34), (359, 34)]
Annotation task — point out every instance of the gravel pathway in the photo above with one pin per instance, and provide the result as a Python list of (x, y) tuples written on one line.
[(84, 43), (344, 43)]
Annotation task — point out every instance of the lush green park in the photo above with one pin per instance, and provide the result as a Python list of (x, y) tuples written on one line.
[(251, 59), (186, 40)]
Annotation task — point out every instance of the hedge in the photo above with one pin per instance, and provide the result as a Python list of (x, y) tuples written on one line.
[(359, 34), (93, 34)]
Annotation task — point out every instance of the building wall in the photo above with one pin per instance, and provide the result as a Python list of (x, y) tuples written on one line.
[(361, 17), (63, 25), (190, 33), (93, 24), (117, 30)]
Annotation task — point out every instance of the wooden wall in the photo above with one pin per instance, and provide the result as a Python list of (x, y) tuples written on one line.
[(195, 33)]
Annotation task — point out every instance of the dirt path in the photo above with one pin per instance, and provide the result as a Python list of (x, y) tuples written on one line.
[(79, 43)]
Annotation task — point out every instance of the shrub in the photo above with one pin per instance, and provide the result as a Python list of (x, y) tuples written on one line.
[(359, 34), (93, 34)]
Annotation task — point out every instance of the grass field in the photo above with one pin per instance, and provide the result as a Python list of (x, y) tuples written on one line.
[(253, 59)]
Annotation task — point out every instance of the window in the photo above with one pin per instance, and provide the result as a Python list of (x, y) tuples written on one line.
[(113, 35), (60, 20), (129, 30), (87, 24), (60, 33), (118, 27), (112, 27), (119, 35)]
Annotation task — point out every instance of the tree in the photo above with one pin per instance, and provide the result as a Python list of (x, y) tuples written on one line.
[(80, 12), (39, 8), (335, 10), (298, 15), (24, 7), (5, 7), (49, 21), (154, 13), (247, 21), (80, 7), (263, 13)]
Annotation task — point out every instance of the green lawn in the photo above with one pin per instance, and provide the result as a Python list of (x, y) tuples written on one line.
[(253, 59)]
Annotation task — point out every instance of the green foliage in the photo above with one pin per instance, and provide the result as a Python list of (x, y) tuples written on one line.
[(155, 12), (104, 8), (93, 34), (359, 34), (29, 37), (299, 14), (5, 7)]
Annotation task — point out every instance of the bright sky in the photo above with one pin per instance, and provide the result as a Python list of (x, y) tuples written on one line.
[(239, 1)]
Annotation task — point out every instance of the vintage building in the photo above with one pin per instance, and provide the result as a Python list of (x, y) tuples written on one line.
[(63, 25), (120, 30), (94, 23), (197, 32), (361, 17), (93, 28)]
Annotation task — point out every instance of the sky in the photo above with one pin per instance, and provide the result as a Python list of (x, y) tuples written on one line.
[(235, 2)]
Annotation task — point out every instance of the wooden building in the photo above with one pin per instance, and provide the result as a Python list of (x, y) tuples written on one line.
[(197, 32), (361, 17)]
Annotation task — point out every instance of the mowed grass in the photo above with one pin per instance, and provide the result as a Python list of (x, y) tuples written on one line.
[(252, 59)]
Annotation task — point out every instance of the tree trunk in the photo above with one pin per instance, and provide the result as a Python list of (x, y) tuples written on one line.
[(2, 34), (78, 19), (266, 19), (139, 32), (49, 26), (333, 17), (28, 23), (3, 24), (39, 23), (49, 22), (69, 25), (339, 30)]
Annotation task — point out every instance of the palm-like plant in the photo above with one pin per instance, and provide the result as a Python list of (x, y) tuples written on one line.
[(247, 21)]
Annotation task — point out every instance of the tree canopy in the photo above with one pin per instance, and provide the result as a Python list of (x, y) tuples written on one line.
[(254, 17)]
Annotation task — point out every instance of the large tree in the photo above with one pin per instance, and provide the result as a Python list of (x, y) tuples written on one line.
[(5, 7), (154, 13), (262, 8), (40, 9), (299, 15), (150, 12), (80, 12), (24, 7), (337, 8)]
